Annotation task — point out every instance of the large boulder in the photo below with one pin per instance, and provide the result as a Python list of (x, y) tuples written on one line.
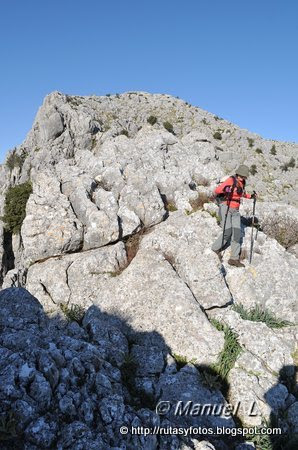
[(50, 227)]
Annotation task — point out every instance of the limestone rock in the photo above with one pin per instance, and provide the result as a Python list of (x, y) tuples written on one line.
[(120, 222), (50, 226)]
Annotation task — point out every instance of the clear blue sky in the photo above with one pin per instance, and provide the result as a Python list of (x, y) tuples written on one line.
[(235, 58)]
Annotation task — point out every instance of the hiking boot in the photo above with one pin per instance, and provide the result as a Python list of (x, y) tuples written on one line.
[(235, 262), (218, 253)]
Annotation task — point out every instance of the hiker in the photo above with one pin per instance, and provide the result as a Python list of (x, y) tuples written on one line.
[(231, 191)]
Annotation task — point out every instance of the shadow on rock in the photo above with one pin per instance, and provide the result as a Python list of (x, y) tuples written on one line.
[(283, 401), (74, 384)]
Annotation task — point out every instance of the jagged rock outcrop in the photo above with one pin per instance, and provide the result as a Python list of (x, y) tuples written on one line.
[(120, 223), (67, 386)]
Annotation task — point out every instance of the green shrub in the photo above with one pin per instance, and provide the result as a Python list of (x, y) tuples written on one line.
[(74, 313), (253, 169), (250, 142), (15, 160), (123, 132), (217, 135), (259, 314), (15, 206), (204, 121), (169, 127), (152, 120), (259, 150), (290, 164), (273, 150)]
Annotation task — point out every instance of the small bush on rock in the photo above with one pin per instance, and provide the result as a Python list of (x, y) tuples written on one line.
[(169, 127), (152, 120), (199, 202), (290, 164), (273, 150), (283, 229), (250, 142), (217, 135), (74, 313), (15, 206), (132, 244), (171, 207), (15, 160), (259, 150), (124, 133), (253, 169)]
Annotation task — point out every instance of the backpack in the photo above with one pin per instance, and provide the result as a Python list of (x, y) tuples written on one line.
[(220, 198)]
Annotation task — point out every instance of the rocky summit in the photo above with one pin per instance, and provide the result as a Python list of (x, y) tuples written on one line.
[(119, 326)]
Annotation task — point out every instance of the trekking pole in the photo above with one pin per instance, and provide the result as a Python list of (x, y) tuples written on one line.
[(252, 228)]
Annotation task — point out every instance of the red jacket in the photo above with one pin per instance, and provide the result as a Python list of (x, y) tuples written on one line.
[(235, 197)]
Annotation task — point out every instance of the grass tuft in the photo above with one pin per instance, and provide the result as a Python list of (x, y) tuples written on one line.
[(181, 361), (259, 314), (74, 313), (230, 352)]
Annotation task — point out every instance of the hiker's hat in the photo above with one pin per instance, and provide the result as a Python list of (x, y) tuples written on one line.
[(243, 171)]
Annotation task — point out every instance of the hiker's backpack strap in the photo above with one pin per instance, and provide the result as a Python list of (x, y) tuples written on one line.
[(234, 185)]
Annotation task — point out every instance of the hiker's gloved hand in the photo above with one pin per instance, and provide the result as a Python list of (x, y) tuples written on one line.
[(254, 195)]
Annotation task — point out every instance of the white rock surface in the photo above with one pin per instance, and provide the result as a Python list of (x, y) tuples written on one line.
[(101, 174)]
